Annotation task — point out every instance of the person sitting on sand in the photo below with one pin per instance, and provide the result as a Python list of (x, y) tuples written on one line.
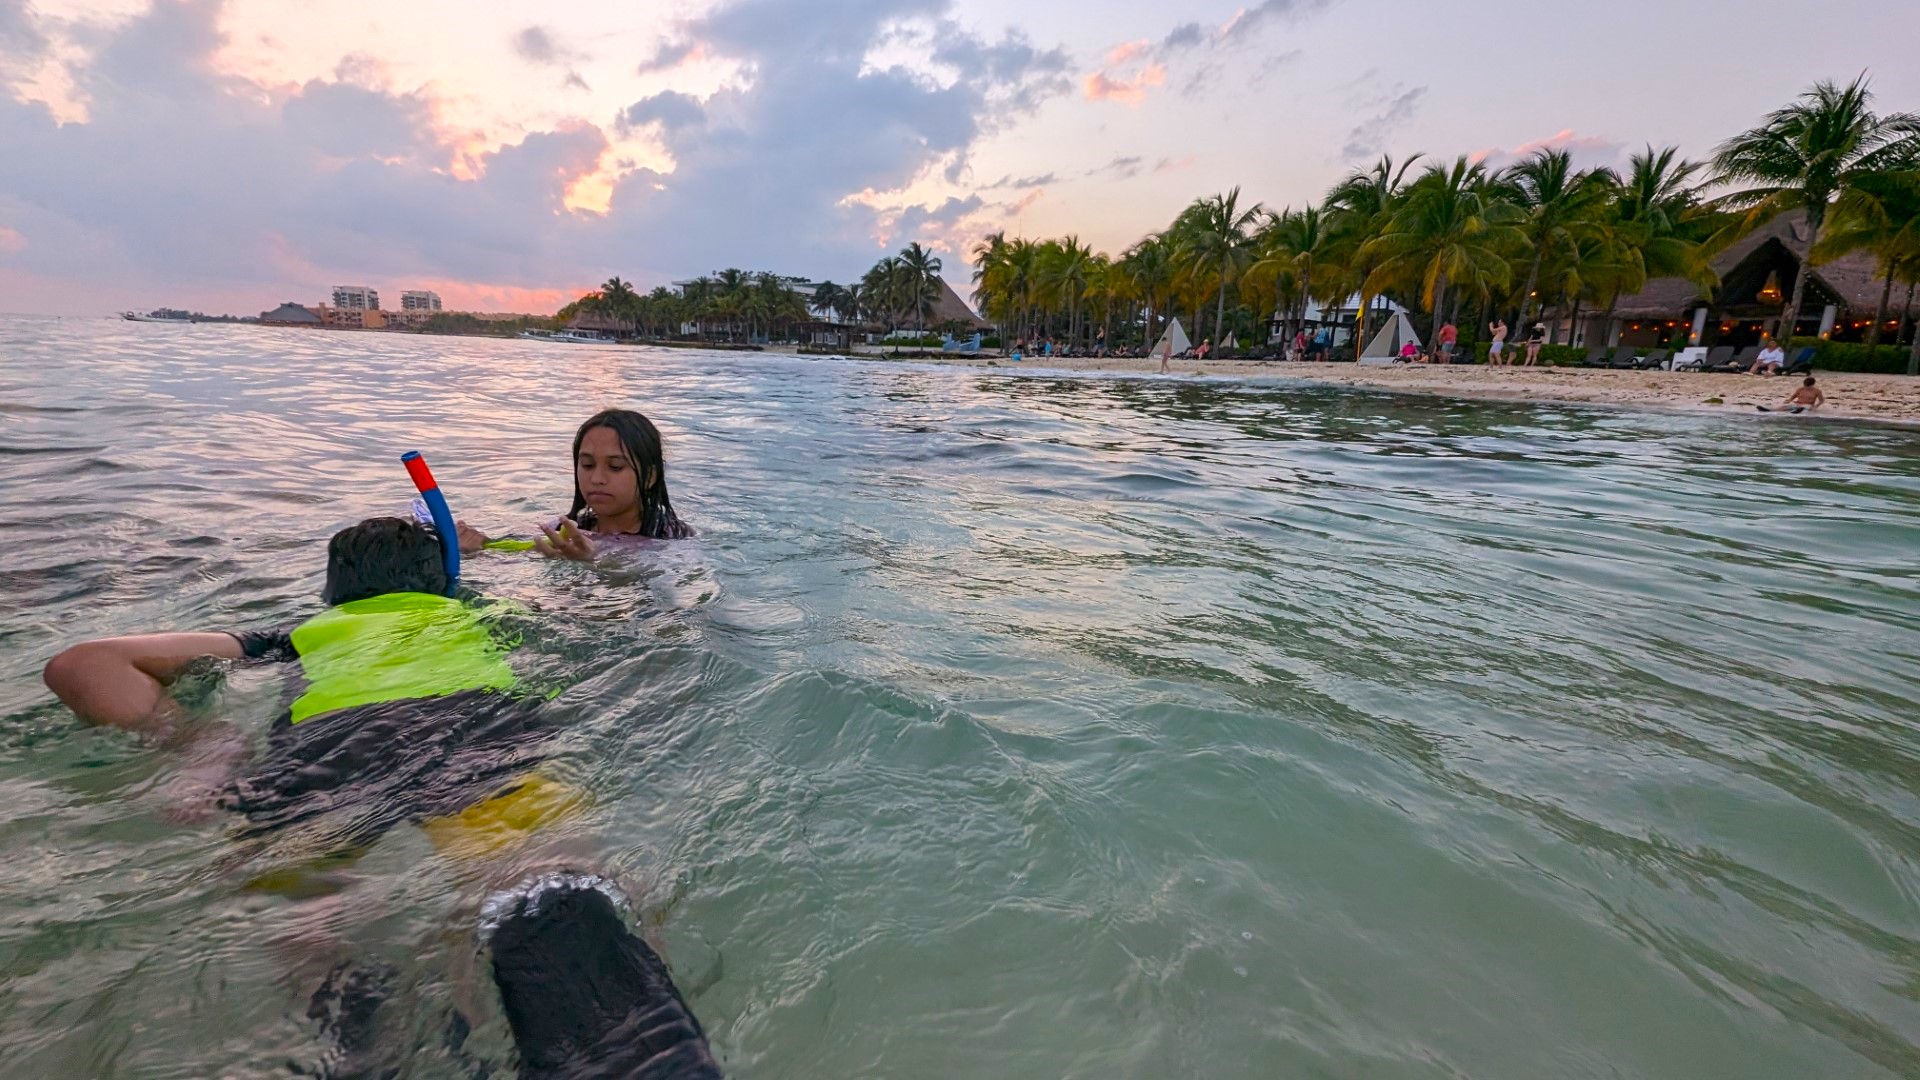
[(1206, 346), (619, 490), (1771, 359), (1409, 353), (1806, 398), (1497, 349)]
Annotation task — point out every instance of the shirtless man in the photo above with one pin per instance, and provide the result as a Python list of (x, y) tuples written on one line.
[(1495, 351)]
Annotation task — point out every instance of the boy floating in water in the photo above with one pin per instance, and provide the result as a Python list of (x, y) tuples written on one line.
[(405, 712)]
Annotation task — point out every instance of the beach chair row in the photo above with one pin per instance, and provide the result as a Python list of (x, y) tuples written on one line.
[(1720, 358)]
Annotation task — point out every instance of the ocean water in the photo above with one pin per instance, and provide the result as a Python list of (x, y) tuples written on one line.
[(1009, 726)]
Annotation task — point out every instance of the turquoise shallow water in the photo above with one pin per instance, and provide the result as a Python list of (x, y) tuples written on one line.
[(1010, 726)]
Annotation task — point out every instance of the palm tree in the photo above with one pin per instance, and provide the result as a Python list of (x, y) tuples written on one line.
[(1804, 156), (1361, 206), (830, 298), (922, 281), (1147, 267), (1214, 230), (1879, 213), (1559, 202), (1451, 230), (1064, 272), (1295, 245)]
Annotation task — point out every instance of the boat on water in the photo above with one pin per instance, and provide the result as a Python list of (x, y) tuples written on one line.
[(161, 316)]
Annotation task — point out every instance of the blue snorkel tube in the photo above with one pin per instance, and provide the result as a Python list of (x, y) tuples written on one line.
[(442, 517)]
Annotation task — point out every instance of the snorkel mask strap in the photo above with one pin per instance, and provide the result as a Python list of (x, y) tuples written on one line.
[(442, 517)]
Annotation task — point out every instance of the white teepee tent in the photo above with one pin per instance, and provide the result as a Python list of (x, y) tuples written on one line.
[(1174, 334), (1386, 345)]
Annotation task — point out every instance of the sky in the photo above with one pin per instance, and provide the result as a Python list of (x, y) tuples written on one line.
[(228, 155)]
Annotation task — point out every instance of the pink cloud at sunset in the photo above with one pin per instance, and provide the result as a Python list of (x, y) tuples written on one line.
[(1100, 86)]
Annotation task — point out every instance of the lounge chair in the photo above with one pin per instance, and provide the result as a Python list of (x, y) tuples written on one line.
[(1596, 356), (1741, 361), (1653, 360), (1802, 361), (1717, 358), (1623, 357)]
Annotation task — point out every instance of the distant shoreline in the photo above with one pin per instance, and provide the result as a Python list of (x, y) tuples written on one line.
[(1850, 396)]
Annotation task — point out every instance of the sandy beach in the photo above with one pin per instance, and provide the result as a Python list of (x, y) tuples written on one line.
[(1893, 398)]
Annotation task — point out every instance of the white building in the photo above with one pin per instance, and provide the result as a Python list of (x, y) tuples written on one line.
[(355, 298), (419, 300)]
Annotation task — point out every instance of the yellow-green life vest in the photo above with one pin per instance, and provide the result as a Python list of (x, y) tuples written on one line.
[(395, 646)]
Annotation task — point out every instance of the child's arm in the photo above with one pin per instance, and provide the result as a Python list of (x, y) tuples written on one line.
[(122, 682)]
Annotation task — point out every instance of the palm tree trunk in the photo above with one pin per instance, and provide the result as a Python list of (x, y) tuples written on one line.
[(1906, 315), (1880, 316), (1533, 279), (1220, 307), (1790, 318)]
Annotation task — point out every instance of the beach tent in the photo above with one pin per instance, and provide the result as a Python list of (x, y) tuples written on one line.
[(1174, 334), (1230, 341), (1385, 346)]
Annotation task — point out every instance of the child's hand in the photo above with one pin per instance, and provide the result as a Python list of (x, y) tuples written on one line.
[(569, 541), (471, 539)]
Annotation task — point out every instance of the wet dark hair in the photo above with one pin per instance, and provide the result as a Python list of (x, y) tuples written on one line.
[(1809, 381), (641, 441), (383, 555)]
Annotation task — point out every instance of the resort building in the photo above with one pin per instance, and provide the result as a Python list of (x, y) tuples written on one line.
[(290, 314), (1756, 276), (355, 298), (419, 300), (341, 318)]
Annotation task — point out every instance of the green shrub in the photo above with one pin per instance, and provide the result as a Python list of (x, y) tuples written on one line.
[(1853, 356)]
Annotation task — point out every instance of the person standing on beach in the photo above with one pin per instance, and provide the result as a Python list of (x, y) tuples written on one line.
[(1496, 351), (1300, 346), (1449, 334), (1537, 338), (1166, 353)]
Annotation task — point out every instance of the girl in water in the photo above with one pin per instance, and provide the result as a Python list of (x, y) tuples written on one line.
[(619, 489)]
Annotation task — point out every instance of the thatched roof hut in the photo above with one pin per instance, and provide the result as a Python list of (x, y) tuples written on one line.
[(1770, 253), (950, 308)]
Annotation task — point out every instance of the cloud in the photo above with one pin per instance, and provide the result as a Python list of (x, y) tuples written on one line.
[(1100, 86), (1168, 164), (669, 108), (535, 45), (1015, 209), (573, 81), (20, 39), (1116, 81), (1587, 151), (185, 178), (1395, 108), (11, 242), (350, 177), (1121, 167), (1020, 182), (765, 175)]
